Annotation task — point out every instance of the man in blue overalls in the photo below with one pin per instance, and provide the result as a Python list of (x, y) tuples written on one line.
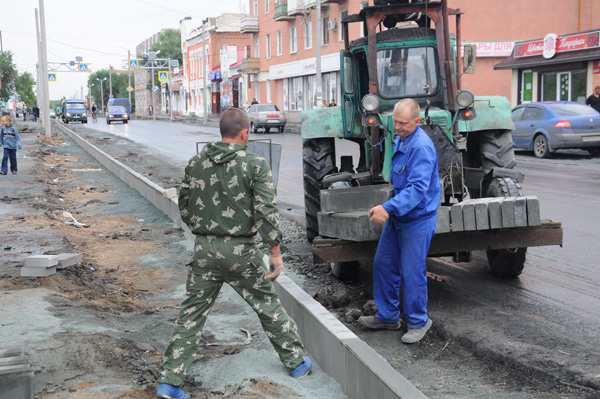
[(411, 219)]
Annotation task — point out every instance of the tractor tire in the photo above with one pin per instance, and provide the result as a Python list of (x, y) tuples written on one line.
[(497, 149), (345, 270), (318, 161), (506, 263)]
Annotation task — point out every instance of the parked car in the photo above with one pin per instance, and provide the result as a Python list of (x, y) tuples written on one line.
[(116, 113), (545, 127), (52, 114), (266, 116)]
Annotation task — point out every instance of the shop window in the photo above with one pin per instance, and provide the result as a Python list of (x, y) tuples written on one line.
[(564, 86)]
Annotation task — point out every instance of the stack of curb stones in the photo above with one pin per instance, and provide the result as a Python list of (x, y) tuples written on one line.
[(46, 265), (16, 376)]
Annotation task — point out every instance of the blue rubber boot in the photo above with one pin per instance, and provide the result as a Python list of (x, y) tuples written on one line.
[(166, 391), (303, 369)]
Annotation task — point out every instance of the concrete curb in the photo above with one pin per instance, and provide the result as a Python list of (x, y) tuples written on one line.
[(361, 371)]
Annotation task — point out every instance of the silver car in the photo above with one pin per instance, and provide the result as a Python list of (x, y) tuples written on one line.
[(266, 116)]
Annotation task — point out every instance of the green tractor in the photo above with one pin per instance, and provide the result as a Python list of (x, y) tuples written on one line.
[(408, 52)]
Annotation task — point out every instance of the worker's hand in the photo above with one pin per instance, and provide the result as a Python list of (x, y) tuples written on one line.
[(276, 267), (378, 215)]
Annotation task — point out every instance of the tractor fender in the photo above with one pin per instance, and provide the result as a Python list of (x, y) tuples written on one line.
[(491, 113), (322, 122)]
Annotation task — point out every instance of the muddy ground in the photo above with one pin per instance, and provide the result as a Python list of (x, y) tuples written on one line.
[(113, 283), (98, 329)]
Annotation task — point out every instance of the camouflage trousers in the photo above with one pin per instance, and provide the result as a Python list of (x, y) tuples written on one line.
[(237, 262)]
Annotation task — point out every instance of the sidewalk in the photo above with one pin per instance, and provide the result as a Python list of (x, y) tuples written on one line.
[(290, 127), (98, 329)]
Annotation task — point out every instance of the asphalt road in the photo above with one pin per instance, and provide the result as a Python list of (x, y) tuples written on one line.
[(547, 319)]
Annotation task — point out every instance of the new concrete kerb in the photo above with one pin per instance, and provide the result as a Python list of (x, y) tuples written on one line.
[(361, 371)]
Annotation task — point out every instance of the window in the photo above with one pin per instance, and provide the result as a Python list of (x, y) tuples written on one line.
[(401, 72), (255, 7), (268, 44), (325, 30), (256, 48), (343, 14), (362, 26), (532, 114), (564, 86), (266, 7), (517, 114), (279, 43), (293, 40), (308, 35)]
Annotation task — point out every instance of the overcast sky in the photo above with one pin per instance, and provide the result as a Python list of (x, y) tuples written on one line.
[(100, 31)]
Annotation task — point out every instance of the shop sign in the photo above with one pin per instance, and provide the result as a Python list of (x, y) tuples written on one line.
[(562, 44), (491, 49)]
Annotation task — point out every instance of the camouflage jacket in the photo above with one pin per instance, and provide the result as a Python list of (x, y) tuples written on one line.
[(229, 191)]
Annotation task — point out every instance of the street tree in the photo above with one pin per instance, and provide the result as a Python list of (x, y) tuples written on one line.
[(24, 87), (8, 75), (169, 44), (119, 86)]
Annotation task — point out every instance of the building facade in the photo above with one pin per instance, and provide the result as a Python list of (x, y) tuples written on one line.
[(281, 64), (212, 55)]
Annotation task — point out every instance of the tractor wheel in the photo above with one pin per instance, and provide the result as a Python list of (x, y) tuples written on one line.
[(496, 148), (318, 161), (345, 270), (506, 263)]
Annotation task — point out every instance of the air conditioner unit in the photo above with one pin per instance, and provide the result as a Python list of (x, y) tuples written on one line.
[(332, 25)]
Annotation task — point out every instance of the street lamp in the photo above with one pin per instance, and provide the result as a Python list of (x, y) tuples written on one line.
[(101, 91)]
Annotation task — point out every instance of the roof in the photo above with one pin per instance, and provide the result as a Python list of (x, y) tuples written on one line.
[(585, 54), (538, 60)]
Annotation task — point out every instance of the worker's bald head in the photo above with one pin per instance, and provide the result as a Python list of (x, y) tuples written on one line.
[(414, 111)]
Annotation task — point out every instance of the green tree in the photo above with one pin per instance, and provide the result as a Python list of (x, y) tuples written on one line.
[(119, 86), (8, 75), (24, 87), (169, 45)]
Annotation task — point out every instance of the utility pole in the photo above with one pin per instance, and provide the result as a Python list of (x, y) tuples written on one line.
[(318, 55), (1, 46), (110, 79), (129, 76), (44, 73), (38, 88), (152, 92), (170, 93), (204, 70)]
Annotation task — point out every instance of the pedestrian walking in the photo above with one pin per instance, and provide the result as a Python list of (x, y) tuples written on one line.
[(35, 112), (594, 99), (410, 219), (24, 113), (227, 195), (10, 139)]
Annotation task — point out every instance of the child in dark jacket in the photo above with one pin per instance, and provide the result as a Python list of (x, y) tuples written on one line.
[(10, 139)]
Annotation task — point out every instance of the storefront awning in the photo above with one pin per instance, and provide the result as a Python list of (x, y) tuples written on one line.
[(536, 61)]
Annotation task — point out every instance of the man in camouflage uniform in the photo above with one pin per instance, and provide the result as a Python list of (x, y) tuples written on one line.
[(228, 195)]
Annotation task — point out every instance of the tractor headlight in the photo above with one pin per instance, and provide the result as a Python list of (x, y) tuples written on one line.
[(370, 102), (465, 98)]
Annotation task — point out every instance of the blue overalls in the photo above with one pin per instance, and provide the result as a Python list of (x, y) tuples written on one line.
[(404, 243)]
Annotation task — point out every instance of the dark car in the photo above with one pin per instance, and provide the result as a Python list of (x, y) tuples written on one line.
[(73, 111), (266, 116), (545, 127), (116, 113)]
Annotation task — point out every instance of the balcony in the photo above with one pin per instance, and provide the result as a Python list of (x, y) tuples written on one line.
[(251, 66), (281, 12), (249, 24)]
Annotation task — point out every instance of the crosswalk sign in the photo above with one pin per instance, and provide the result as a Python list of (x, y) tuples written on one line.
[(51, 77), (83, 67), (133, 64), (163, 76)]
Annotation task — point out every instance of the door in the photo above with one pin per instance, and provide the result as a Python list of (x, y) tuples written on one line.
[(527, 126), (527, 86)]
